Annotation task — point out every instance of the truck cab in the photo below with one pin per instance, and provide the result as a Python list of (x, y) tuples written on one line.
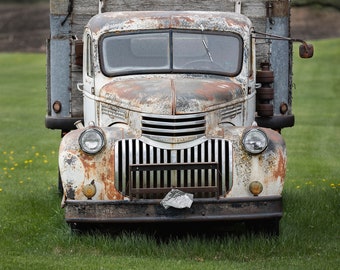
[(159, 64), (170, 114)]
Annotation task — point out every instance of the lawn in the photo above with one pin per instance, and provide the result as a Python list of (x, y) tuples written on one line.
[(34, 236)]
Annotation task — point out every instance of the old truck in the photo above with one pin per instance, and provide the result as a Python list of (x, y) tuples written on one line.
[(171, 111)]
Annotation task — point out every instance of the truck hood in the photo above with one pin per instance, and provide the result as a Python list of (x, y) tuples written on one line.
[(174, 95)]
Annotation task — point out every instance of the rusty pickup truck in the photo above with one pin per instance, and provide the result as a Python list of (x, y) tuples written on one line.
[(168, 115)]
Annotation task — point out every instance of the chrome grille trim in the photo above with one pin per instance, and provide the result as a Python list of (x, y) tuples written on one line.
[(134, 151), (173, 125)]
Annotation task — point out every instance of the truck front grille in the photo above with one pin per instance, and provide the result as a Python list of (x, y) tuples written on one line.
[(203, 169), (173, 125)]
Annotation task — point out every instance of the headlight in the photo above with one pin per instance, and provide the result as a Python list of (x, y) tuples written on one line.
[(91, 141), (255, 141)]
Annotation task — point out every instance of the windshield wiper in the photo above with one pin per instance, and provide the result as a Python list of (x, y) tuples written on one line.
[(206, 46), (207, 50)]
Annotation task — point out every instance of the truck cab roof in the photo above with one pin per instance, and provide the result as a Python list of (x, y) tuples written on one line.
[(151, 20)]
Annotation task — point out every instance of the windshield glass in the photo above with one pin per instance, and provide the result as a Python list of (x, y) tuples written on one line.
[(162, 52)]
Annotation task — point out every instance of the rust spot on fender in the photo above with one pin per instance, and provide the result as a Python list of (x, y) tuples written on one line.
[(281, 167), (89, 165), (170, 95), (110, 190), (220, 90), (101, 168)]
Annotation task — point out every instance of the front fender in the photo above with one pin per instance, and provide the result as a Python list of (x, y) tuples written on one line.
[(78, 168), (268, 167)]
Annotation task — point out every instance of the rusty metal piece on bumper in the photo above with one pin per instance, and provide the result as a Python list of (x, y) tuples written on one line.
[(143, 211)]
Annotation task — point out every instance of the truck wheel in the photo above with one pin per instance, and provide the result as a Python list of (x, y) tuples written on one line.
[(270, 227)]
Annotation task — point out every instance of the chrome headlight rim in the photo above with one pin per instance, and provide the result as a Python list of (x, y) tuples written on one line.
[(255, 141), (98, 140)]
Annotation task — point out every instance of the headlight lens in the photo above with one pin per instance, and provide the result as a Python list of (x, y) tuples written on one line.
[(255, 141), (91, 141)]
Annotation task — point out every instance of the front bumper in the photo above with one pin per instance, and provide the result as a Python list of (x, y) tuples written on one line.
[(202, 210), (63, 123)]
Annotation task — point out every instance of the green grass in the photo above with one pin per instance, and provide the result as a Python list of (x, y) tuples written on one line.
[(32, 231)]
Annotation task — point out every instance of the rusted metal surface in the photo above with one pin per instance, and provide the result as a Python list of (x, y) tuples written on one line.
[(170, 94), (134, 189), (132, 21), (232, 209), (265, 93), (78, 169), (269, 167)]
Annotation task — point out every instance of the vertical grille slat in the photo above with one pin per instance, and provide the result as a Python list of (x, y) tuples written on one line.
[(181, 179), (135, 152)]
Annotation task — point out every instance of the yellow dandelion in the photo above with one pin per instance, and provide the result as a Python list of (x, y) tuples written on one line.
[(12, 168), (21, 182), (4, 152), (37, 154), (4, 168), (0, 189), (297, 187), (16, 164), (45, 161)]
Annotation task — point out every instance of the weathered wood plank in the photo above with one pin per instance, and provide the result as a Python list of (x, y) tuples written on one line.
[(251, 8), (59, 7), (83, 10)]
